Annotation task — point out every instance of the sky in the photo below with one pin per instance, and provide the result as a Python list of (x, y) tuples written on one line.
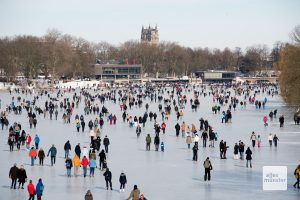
[(191, 23)]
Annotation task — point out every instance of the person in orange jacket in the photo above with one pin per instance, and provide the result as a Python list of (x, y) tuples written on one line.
[(76, 164), (32, 155), (31, 190), (84, 163), (163, 127)]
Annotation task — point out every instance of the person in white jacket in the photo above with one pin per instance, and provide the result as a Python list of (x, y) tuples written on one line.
[(93, 136), (270, 138), (196, 139), (85, 152)]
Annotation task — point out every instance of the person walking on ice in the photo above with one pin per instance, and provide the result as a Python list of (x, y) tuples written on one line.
[(297, 176), (123, 181), (207, 167), (31, 190), (39, 189), (148, 142), (108, 176), (270, 139), (13, 175), (275, 139), (52, 152), (248, 157), (253, 139)]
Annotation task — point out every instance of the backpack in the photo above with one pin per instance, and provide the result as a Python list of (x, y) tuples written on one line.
[(68, 164), (207, 164), (42, 188)]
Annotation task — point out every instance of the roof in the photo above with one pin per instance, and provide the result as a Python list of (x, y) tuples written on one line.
[(217, 71), (118, 65)]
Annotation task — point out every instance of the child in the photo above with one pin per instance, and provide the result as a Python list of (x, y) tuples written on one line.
[(131, 124), (258, 140), (162, 146), (78, 126)]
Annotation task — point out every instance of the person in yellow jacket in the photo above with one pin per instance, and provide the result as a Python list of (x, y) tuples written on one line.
[(193, 130), (183, 127), (76, 164), (181, 114), (166, 115), (297, 176)]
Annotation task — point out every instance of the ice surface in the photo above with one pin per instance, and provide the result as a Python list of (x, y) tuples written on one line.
[(159, 175)]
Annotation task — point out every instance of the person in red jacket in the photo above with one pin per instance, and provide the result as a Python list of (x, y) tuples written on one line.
[(28, 141), (31, 190), (114, 119), (84, 163)]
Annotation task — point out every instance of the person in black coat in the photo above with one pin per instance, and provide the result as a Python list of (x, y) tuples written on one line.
[(281, 120), (90, 124), (204, 137), (195, 152), (82, 125), (107, 174), (221, 149), (67, 148), (156, 142), (102, 158), (98, 143), (11, 142), (13, 174), (275, 139), (22, 176), (101, 122), (241, 150), (248, 157), (123, 181), (177, 128), (78, 150), (236, 151), (106, 143)]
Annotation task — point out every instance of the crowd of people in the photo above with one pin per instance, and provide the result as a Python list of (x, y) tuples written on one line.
[(89, 102)]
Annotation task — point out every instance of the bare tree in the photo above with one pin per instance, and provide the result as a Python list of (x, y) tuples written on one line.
[(295, 34)]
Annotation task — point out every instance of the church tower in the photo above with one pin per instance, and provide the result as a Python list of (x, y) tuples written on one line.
[(150, 35)]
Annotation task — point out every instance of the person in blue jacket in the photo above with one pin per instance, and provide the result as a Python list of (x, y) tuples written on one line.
[(92, 165), (52, 151), (36, 141), (39, 189), (162, 146)]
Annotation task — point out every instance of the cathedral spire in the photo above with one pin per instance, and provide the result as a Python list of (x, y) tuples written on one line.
[(150, 35)]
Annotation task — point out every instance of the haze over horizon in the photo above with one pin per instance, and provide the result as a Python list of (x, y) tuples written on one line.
[(191, 23)]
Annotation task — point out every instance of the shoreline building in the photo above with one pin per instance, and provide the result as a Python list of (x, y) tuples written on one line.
[(216, 76), (150, 35), (118, 71)]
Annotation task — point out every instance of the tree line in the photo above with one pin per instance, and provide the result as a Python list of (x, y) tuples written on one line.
[(63, 55), (289, 66)]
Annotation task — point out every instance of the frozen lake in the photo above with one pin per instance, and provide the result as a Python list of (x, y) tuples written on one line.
[(159, 175)]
